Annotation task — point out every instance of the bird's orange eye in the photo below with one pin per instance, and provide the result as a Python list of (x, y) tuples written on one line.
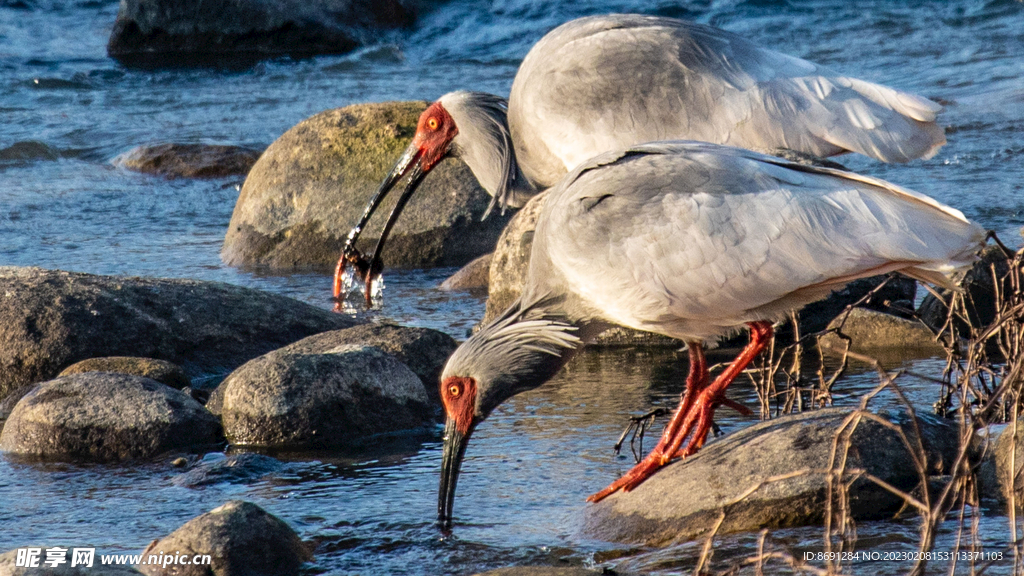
[(432, 123), (455, 390)]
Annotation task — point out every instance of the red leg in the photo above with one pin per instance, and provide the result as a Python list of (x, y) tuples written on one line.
[(699, 419), (694, 414), (696, 381)]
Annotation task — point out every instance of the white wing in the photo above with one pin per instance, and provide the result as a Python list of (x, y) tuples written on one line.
[(604, 83), (693, 239)]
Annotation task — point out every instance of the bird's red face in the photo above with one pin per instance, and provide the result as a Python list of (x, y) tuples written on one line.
[(459, 398), (434, 134)]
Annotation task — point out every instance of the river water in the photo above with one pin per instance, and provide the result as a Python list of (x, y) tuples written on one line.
[(66, 110)]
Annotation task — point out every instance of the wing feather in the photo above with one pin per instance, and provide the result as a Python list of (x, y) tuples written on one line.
[(682, 80), (693, 239)]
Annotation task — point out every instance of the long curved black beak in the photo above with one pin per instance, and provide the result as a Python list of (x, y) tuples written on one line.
[(451, 462), (409, 163)]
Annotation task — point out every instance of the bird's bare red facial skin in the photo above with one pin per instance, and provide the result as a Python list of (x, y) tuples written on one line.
[(434, 134), (459, 397)]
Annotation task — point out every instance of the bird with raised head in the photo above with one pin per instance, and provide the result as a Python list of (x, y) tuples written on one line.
[(604, 83)]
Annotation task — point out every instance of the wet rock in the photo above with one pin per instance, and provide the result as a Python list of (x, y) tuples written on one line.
[(174, 32), (9, 567), (1008, 458), (104, 417), (422, 350), (164, 372), (28, 150), (980, 300), (234, 469), (8, 403), (684, 500), (337, 398), (239, 537), (189, 160), (870, 330), (472, 277), (510, 262), (310, 187), (50, 319)]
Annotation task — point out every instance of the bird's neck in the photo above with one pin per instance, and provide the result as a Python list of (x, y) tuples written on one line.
[(485, 144), (493, 162)]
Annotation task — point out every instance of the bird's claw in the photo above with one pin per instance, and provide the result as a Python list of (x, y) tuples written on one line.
[(638, 425)]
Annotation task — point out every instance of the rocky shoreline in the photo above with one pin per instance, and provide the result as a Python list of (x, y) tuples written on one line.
[(117, 369)]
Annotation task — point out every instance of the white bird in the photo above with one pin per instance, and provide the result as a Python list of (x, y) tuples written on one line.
[(694, 241), (603, 83)]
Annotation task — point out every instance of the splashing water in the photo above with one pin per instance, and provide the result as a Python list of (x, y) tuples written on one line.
[(352, 300)]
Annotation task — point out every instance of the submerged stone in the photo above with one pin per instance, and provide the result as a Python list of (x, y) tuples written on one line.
[(234, 469), (189, 160)]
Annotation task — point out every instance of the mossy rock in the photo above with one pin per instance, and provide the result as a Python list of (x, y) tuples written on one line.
[(311, 185)]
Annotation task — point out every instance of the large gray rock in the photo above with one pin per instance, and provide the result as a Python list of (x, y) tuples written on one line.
[(310, 187), (50, 319), (873, 331), (181, 32), (189, 160), (338, 398), (422, 350), (103, 417), (8, 567), (685, 499), (1009, 465), (511, 260), (164, 372), (241, 539), (472, 277)]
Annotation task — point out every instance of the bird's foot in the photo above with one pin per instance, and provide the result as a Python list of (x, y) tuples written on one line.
[(701, 418), (642, 471)]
